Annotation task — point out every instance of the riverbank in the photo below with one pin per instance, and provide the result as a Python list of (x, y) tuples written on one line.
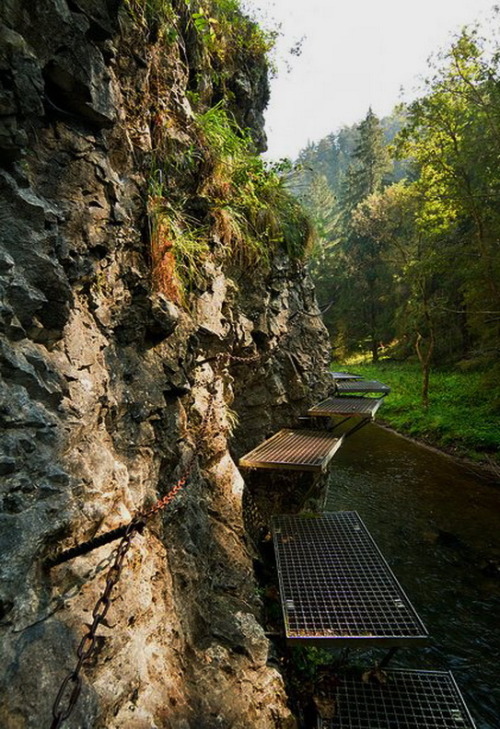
[(463, 414)]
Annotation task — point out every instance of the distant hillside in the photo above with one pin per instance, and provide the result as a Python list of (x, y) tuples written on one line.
[(332, 155)]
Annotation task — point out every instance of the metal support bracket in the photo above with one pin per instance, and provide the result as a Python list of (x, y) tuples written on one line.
[(358, 426), (388, 657)]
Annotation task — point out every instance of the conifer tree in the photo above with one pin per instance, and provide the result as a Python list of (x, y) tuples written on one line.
[(367, 278), (370, 162)]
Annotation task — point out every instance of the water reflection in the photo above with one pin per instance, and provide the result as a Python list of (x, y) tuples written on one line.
[(437, 524)]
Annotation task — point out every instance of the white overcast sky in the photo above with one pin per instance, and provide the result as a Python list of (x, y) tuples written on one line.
[(355, 54)]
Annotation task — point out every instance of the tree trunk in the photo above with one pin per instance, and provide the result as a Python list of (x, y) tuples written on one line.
[(426, 372), (425, 357), (425, 362), (373, 322), (464, 330)]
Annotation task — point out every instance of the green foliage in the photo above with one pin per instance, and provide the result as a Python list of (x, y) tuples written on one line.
[(390, 218), (417, 261), (248, 212), (155, 17), (369, 164), (209, 193), (179, 245), (365, 279), (463, 412), (222, 25), (332, 156), (307, 661), (253, 211), (453, 133), (348, 269), (228, 29), (230, 37)]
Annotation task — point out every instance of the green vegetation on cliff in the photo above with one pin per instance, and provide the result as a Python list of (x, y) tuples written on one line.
[(210, 194)]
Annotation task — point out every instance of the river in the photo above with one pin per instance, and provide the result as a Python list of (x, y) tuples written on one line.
[(438, 525)]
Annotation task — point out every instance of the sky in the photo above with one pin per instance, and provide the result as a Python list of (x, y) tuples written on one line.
[(355, 54)]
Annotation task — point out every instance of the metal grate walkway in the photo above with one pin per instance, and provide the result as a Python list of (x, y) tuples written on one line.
[(362, 386), (297, 450), (366, 406), (336, 585), (345, 376), (408, 700)]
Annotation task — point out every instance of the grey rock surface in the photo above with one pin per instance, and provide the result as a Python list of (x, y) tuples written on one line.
[(104, 385)]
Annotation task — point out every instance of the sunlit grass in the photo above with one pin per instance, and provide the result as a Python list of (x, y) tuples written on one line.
[(463, 412)]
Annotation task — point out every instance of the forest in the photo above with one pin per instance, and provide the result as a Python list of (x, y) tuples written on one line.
[(407, 262)]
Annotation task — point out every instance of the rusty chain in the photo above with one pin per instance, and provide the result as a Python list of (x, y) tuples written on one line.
[(115, 534), (247, 360), (70, 688)]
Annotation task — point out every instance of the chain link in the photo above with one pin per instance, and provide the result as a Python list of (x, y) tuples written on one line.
[(66, 700), (246, 360), (58, 602), (115, 534), (71, 686)]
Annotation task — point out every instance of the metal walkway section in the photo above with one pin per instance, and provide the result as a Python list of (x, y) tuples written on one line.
[(361, 386), (296, 450), (336, 587), (408, 700), (345, 376), (366, 406)]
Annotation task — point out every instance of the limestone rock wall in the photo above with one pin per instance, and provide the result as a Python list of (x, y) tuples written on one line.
[(105, 385)]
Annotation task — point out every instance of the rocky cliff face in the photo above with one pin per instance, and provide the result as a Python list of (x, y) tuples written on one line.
[(106, 386)]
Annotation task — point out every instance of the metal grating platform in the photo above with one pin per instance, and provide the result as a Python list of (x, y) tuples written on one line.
[(366, 406), (297, 450), (336, 586), (409, 700), (345, 376), (363, 386)]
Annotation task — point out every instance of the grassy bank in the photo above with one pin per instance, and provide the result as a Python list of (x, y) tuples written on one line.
[(463, 415)]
